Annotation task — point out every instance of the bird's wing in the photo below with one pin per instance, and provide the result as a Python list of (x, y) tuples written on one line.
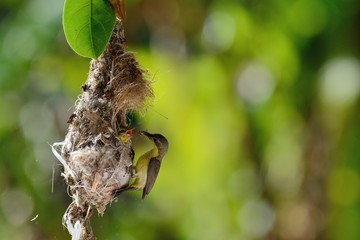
[(152, 172)]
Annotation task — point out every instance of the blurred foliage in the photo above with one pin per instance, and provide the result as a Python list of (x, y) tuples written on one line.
[(259, 101)]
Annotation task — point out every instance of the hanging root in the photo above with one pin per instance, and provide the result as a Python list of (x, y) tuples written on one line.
[(96, 162)]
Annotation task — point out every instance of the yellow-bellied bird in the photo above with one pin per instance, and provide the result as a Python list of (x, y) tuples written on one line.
[(148, 166), (125, 136)]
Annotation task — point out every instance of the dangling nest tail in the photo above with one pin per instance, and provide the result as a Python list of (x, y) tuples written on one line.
[(96, 162)]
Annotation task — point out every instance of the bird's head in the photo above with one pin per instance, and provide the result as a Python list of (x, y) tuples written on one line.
[(159, 140), (126, 135)]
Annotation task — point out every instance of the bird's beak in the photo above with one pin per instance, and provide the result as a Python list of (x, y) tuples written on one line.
[(145, 134), (130, 131)]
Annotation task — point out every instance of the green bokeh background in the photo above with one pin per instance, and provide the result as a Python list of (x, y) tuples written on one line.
[(259, 101)]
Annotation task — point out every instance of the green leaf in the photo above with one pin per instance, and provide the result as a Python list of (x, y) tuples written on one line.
[(88, 25)]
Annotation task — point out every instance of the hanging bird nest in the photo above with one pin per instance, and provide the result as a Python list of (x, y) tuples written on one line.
[(96, 161)]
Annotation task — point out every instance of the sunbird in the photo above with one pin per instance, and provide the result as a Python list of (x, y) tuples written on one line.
[(148, 165), (126, 134)]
